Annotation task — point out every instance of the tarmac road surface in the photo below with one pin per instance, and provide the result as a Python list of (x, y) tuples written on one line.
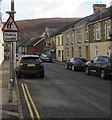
[(64, 94)]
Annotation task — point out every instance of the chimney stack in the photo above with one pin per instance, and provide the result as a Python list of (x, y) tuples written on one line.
[(98, 7)]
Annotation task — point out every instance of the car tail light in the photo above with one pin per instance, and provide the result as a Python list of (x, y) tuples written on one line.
[(109, 65)]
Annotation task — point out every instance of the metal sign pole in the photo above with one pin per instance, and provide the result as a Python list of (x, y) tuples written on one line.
[(11, 73), (10, 30), (14, 48)]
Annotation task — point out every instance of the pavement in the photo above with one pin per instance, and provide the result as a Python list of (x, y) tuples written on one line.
[(9, 109)]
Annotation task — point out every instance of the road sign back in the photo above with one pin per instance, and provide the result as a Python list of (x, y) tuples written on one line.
[(10, 25)]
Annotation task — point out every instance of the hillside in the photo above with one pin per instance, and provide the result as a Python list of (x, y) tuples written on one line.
[(35, 27)]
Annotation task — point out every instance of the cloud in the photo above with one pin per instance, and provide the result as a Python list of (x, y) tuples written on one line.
[(31, 9)]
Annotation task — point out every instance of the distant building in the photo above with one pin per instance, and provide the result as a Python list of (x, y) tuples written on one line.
[(1, 38)]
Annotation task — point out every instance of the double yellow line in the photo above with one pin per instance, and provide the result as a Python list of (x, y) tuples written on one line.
[(30, 102)]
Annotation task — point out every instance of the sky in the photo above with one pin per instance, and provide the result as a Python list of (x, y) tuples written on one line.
[(34, 9)]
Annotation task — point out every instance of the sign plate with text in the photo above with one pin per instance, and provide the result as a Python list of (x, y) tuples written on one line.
[(10, 36)]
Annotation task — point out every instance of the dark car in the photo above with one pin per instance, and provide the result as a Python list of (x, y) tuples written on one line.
[(101, 65), (76, 64), (30, 65), (46, 58)]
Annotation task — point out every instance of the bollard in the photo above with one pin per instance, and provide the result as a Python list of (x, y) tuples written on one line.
[(10, 87)]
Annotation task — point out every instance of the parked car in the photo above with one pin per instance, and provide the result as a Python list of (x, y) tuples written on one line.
[(101, 65), (30, 65), (46, 58), (76, 64)]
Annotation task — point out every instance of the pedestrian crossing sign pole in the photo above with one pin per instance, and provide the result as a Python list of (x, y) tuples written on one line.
[(10, 32)]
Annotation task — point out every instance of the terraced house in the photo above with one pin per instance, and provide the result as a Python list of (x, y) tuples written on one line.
[(1, 38), (87, 37), (100, 40)]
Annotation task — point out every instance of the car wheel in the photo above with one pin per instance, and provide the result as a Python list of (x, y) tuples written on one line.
[(87, 71), (73, 68), (102, 74), (66, 66), (42, 75)]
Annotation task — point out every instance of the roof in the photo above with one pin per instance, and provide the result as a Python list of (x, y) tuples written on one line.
[(51, 31), (94, 17), (67, 26), (25, 42), (32, 42), (103, 14)]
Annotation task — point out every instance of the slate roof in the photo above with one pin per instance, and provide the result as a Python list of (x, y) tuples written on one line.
[(34, 41), (103, 14), (27, 42), (51, 31), (71, 25), (66, 27)]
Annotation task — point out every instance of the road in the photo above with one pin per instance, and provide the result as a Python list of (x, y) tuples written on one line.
[(65, 94)]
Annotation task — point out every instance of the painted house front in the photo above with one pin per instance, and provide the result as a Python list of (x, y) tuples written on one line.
[(100, 41), (59, 47)]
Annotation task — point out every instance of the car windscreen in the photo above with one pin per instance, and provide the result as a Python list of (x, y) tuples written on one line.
[(30, 59)]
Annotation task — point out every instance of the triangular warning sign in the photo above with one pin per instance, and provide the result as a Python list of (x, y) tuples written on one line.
[(10, 25)]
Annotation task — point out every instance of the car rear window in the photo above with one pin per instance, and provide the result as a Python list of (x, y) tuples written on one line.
[(35, 59), (83, 60)]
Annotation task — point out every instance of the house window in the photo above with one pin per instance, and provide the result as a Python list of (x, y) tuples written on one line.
[(58, 40), (107, 29), (67, 39), (96, 51), (79, 37), (59, 53), (98, 31), (80, 51), (67, 35), (62, 40), (67, 53), (86, 35), (73, 33)]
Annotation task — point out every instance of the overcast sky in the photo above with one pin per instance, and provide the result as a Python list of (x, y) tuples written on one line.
[(33, 9)]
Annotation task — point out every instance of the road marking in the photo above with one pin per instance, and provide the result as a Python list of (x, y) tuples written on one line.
[(28, 104), (31, 100)]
